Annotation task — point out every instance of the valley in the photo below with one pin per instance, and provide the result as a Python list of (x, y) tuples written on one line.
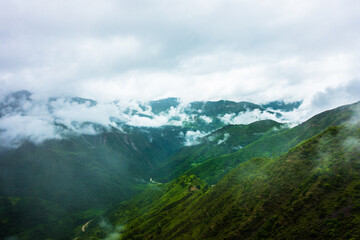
[(180, 120), (125, 180)]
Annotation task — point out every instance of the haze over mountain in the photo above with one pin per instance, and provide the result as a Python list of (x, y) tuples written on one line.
[(61, 183), (193, 50), (23, 118), (311, 190), (201, 119)]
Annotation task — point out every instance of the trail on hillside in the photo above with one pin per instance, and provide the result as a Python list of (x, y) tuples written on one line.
[(83, 228)]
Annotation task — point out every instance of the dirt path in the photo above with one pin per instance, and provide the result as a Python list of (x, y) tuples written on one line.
[(83, 228)]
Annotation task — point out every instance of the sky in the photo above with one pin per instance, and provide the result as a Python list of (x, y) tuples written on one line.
[(255, 51)]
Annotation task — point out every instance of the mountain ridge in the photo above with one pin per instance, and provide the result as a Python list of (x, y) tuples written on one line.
[(112, 167), (62, 116), (308, 192)]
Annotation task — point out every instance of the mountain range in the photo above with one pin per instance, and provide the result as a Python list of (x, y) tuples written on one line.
[(169, 170), (309, 192)]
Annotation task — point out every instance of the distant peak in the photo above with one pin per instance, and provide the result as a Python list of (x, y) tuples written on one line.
[(23, 94), (281, 105)]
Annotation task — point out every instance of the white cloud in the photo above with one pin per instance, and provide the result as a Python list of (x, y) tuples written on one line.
[(36, 120), (67, 112), (226, 137), (206, 119), (196, 50), (291, 118), (15, 129), (337, 95), (227, 118), (192, 137), (145, 121), (248, 116), (252, 116)]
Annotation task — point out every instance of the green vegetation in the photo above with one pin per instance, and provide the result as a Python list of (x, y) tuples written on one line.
[(51, 190), (21, 217), (312, 192), (212, 170), (226, 140), (147, 209), (86, 174)]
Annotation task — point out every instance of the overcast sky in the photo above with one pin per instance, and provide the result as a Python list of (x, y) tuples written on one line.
[(197, 50)]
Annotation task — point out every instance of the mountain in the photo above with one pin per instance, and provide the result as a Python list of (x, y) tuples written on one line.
[(163, 105), (213, 169), (14, 102), (85, 172), (311, 192), (281, 105), (72, 160), (226, 140), (59, 117), (110, 161), (33, 218), (85, 167)]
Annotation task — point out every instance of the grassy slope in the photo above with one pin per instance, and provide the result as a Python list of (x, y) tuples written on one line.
[(215, 168), (147, 209), (80, 174), (271, 147), (238, 136), (92, 158), (312, 192), (21, 217)]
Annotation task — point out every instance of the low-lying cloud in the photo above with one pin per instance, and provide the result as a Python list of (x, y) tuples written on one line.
[(24, 118), (193, 137), (225, 137), (15, 129), (194, 50), (249, 117), (112, 232)]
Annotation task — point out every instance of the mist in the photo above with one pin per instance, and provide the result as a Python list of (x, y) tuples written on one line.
[(25, 118), (133, 119)]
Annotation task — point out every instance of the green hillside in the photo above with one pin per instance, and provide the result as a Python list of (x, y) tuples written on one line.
[(142, 181), (146, 208), (212, 170), (82, 175), (86, 171), (312, 192), (226, 140), (33, 218)]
